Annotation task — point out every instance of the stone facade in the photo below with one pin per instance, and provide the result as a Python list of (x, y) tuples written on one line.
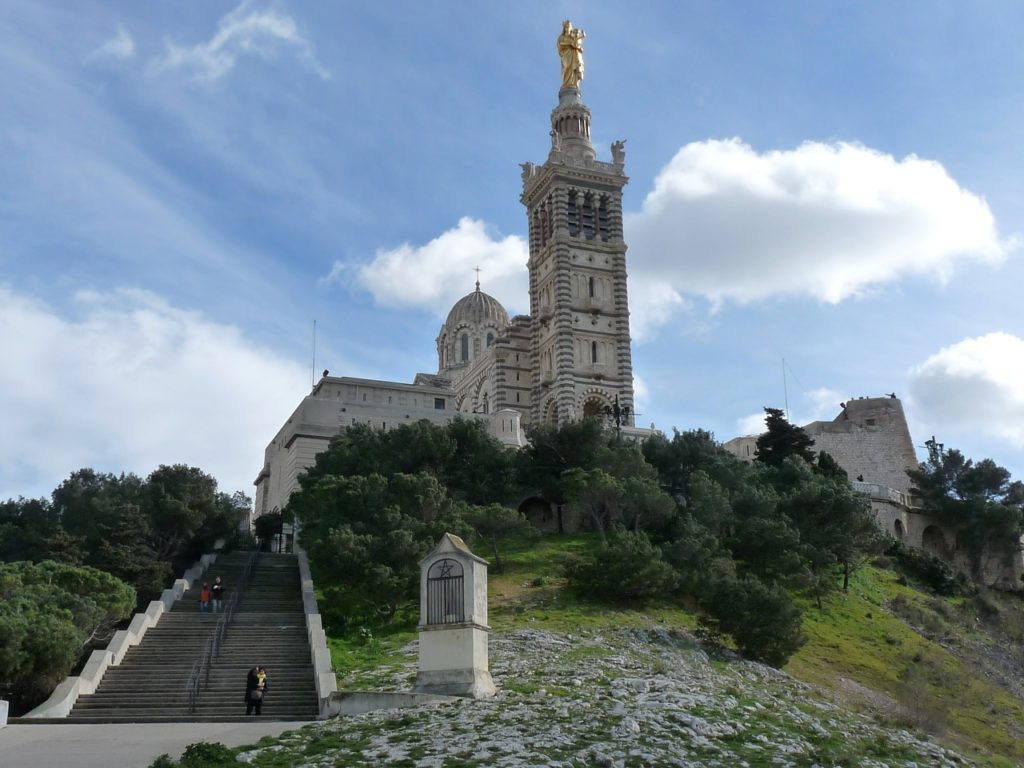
[(579, 308), (870, 439), (568, 359)]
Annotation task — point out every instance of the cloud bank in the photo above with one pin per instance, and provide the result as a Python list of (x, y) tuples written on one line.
[(975, 385), (726, 223), (260, 34), (128, 384), (828, 221), (436, 275)]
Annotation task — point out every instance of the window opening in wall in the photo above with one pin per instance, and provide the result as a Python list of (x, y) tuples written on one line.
[(869, 422), (588, 217), (490, 339), (593, 351), (389, 399), (465, 347), (364, 397), (590, 286), (438, 403), (602, 220), (517, 397), (384, 425), (573, 213)]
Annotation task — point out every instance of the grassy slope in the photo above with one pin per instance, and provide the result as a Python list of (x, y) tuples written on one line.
[(857, 647)]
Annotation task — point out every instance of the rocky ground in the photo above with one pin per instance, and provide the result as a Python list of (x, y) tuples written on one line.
[(616, 698)]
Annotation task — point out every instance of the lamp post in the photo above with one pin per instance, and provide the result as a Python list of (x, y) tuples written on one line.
[(619, 414)]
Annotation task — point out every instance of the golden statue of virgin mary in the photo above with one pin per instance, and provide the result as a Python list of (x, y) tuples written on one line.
[(570, 51)]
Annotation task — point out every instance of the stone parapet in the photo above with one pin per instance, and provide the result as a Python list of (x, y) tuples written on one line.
[(326, 680)]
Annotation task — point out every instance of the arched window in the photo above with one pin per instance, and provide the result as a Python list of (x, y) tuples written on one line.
[(445, 603), (490, 339), (593, 352), (590, 287), (465, 347)]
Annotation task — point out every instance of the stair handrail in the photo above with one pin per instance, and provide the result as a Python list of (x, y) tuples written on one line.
[(201, 668), (229, 611)]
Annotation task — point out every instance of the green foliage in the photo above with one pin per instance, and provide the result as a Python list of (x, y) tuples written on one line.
[(596, 495), (927, 570), (495, 522), (207, 755), (552, 450), (782, 440), (762, 620), (199, 755), (628, 569), (49, 612), (677, 460), (977, 499), (142, 531), (461, 455), (365, 536)]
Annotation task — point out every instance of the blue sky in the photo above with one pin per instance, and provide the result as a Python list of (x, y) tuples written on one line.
[(185, 187)]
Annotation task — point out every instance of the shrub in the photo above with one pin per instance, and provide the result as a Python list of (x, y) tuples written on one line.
[(928, 570), (762, 620), (628, 569), (207, 755)]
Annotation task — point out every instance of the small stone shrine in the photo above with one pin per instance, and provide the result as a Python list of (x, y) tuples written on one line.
[(453, 622)]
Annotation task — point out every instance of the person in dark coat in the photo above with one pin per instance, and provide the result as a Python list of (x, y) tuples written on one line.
[(255, 690), (217, 593)]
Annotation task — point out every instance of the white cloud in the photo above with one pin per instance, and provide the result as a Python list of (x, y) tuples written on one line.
[(821, 404), (132, 382), (240, 33), (973, 386), (120, 46), (829, 221), (435, 275), (753, 424), (651, 304)]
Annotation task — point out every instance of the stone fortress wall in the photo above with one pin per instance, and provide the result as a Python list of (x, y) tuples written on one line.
[(870, 439)]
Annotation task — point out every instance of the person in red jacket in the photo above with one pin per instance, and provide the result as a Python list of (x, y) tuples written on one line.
[(204, 598)]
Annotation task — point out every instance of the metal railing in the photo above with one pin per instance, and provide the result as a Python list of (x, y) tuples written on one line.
[(199, 677)]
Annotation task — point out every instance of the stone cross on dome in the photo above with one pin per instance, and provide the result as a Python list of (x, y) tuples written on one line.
[(477, 270)]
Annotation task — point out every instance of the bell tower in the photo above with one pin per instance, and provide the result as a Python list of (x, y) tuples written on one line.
[(579, 309)]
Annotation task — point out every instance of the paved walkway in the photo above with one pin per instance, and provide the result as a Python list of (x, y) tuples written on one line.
[(132, 745)]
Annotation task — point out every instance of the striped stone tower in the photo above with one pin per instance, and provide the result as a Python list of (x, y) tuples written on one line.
[(579, 310)]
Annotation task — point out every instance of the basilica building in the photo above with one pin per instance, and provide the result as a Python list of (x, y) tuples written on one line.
[(568, 359)]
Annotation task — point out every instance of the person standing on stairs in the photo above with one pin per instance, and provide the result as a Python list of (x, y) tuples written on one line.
[(204, 598), (217, 592), (255, 690)]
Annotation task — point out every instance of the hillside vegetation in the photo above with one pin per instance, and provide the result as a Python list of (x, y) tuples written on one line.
[(890, 675), (637, 640)]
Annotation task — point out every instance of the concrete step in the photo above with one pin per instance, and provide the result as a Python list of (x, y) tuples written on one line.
[(268, 628)]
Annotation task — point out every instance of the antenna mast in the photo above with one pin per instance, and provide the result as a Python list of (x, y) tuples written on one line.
[(312, 367), (785, 388)]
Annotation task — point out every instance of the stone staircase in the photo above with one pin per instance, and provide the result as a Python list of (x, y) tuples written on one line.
[(268, 628)]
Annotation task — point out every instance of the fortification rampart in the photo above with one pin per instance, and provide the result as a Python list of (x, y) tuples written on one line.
[(871, 441)]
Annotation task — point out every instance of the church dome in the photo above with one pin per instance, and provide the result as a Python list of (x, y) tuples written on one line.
[(477, 308)]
